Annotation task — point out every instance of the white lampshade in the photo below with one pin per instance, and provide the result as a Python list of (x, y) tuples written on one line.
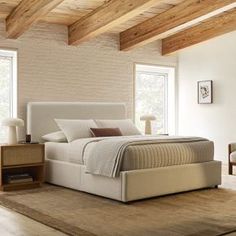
[(12, 123), (148, 117)]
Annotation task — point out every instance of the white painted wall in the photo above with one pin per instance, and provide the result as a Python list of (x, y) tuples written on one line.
[(50, 70), (212, 60)]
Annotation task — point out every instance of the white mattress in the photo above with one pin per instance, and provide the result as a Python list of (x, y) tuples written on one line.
[(57, 151), (67, 152), (163, 155)]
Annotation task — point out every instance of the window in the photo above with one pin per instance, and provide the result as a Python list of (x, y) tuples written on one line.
[(155, 94), (8, 95)]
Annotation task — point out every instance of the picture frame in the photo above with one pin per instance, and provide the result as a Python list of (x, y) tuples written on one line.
[(205, 91)]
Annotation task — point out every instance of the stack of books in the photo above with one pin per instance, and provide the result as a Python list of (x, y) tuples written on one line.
[(19, 178)]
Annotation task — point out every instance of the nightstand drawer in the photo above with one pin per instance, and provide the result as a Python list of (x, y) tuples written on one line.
[(22, 155)]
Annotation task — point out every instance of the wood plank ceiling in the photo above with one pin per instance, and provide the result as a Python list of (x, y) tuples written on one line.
[(175, 22)]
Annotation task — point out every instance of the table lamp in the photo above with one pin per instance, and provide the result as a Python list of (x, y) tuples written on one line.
[(12, 123), (148, 119)]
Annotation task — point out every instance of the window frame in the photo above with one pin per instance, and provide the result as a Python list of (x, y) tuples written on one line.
[(170, 122), (13, 54)]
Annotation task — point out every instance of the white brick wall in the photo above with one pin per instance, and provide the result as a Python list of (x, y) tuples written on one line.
[(50, 70)]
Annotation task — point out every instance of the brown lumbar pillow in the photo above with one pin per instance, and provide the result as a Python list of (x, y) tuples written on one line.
[(105, 132)]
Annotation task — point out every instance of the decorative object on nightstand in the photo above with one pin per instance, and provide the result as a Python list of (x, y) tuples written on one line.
[(28, 138), (148, 119), (22, 166), (12, 123)]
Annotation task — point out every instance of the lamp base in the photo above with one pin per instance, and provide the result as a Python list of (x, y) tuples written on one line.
[(148, 128), (12, 139)]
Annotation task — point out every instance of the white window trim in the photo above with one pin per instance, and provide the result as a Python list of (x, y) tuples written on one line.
[(170, 72), (13, 83)]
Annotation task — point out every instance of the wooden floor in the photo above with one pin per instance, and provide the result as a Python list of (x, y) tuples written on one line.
[(14, 224)]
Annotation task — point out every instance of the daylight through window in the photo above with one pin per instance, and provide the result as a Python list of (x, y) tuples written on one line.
[(8, 95), (155, 94)]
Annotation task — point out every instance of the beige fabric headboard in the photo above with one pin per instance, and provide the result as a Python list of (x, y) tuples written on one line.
[(41, 115)]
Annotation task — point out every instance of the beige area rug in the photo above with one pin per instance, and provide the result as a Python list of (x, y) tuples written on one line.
[(206, 212)]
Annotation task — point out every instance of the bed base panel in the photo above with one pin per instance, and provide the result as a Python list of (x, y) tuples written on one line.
[(136, 184), (169, 180)]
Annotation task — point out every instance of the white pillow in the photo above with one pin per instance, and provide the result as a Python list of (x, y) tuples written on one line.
[(126, 126), (58, 137), (75, 129)]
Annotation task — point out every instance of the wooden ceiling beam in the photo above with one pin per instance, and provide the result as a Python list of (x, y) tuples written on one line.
[(26, 14), (107, 16), (4, 11), (216, 26), (169, 22)]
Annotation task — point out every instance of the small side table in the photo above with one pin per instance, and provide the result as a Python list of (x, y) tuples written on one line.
[(21, 159)]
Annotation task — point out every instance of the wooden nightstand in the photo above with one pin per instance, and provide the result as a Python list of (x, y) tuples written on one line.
[(21, 159)]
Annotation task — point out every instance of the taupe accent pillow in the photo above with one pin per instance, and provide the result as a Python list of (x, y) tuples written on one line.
[(105, 132), (126, 126)]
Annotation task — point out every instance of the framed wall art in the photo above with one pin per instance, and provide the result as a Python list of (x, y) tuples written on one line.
[(205, 91)]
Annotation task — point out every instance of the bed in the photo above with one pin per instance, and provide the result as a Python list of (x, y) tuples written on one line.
[(148, 166)]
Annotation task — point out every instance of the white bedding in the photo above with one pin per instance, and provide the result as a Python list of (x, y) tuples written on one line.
[(73, 152), (173, 151), (57, 151)]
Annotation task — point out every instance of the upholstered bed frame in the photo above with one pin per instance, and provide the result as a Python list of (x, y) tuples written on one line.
[(130, 185)]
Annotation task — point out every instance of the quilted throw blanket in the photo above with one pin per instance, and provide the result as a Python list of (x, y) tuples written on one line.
[(106, 156)]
